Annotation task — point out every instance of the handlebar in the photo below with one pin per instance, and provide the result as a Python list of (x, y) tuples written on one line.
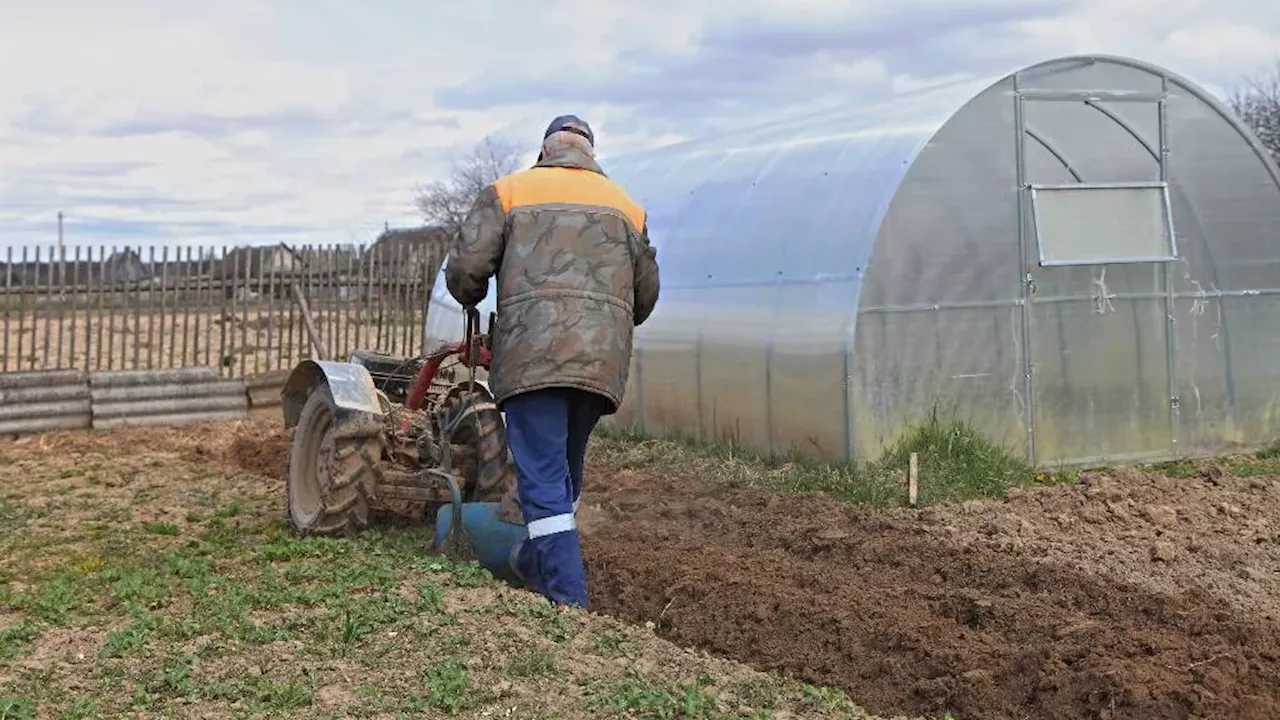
[(472, 321)]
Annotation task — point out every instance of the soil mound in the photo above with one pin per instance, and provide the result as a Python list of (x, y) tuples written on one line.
[(261, 453)]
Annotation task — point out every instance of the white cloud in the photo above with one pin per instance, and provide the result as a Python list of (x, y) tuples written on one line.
[(1199, 38), (172, 147), (236, 121), (89, 76), (1225, 44)]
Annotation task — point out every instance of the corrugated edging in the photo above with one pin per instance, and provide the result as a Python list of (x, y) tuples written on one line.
[(43, 401), (264, 390), (182, 396)]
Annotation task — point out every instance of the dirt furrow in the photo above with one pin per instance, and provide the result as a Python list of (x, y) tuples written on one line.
[(913, 615)]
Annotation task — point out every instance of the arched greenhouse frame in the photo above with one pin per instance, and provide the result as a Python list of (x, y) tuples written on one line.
[(1080, 258)]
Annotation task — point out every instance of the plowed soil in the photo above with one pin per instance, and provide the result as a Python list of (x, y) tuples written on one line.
[(1126, 596)]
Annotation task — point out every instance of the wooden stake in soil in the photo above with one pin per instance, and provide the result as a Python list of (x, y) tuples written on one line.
[(913, 475)]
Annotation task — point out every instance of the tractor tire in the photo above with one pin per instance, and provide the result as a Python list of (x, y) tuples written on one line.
[(481, 437), (333, 469)]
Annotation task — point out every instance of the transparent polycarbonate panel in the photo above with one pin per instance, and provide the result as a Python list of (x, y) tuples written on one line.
[(445, 321), (732, 355), (668, 401), (809, 363), (1056, 153), (950, 235), (949, 362), (1255, 347), (694, 248), (1226, 206), (629, 415), (793, 201), (939, 323), (665, 386), (1226, 209), (746, 225), (1093, 225), (1100, 373), (1206, 384)]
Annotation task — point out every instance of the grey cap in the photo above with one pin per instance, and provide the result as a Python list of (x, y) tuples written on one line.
[(573, 124)]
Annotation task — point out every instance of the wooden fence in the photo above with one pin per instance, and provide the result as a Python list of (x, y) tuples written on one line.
[(245, 310)]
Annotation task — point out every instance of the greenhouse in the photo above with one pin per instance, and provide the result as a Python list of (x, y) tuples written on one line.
[(1081, 258)]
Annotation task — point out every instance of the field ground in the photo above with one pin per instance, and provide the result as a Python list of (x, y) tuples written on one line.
[(147, 573)]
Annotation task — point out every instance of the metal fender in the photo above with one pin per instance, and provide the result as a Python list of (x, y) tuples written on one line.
[(350, 383)]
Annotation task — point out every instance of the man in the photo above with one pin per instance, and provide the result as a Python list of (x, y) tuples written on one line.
[(576, 274)]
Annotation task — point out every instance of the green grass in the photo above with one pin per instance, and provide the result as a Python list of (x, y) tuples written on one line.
[(1263, 463), (638, 698), (955, 463), (232, 616)]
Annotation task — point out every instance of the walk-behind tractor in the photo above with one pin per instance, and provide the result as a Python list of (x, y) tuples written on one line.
[(406, 436)]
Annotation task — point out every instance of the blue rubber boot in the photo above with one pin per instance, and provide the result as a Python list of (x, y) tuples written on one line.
[(525, 565)]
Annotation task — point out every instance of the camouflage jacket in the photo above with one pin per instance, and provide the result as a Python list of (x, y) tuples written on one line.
[(576, 274)]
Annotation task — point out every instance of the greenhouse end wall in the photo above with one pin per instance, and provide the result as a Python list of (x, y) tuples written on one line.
[(1146, 344), (831, 280)]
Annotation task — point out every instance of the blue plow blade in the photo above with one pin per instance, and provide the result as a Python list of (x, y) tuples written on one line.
[(493, 541)]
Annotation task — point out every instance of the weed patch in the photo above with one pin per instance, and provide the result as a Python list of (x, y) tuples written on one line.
[(956, 463)]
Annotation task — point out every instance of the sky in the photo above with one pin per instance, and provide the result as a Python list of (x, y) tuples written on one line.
[(313, 121)]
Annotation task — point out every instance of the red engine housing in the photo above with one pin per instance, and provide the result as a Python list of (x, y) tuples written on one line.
[(477, 347)]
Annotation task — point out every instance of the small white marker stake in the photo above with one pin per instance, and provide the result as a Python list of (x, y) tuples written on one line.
[(913, 475)]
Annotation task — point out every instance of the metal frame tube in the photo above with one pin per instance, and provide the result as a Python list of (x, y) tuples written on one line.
[(1057, 154), (1028, 279), (1088, 95), (1171, 345)]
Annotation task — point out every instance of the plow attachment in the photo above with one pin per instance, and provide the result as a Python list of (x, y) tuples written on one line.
[(475, 531)]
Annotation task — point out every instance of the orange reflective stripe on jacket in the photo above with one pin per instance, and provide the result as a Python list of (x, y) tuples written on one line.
[(560, 185)]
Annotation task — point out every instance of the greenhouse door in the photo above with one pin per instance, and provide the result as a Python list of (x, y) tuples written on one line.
[(1097, 315)]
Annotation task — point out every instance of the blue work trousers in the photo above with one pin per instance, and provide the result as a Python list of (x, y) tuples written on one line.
[(548, 431)]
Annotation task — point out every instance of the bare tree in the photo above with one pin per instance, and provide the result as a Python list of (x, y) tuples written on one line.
[(445, 203), (1258, 104)]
